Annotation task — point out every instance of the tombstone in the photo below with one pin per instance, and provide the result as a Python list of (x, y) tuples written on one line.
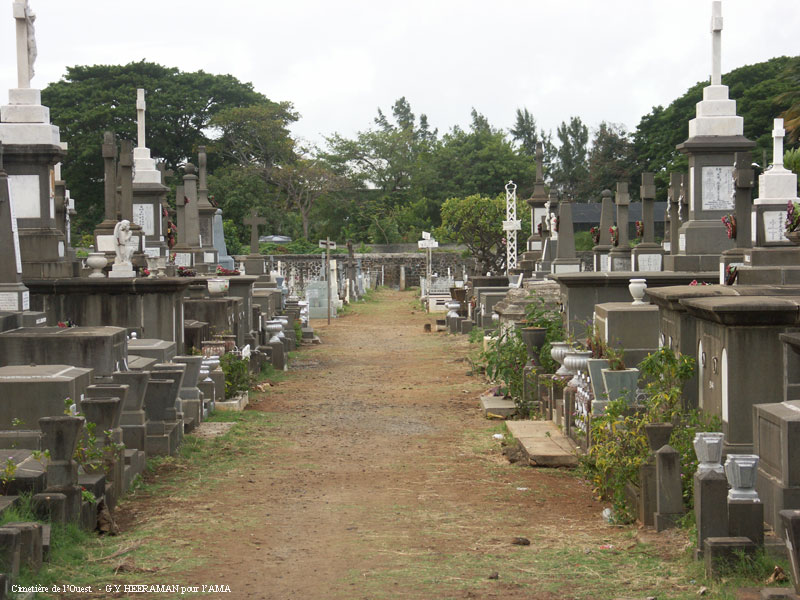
[(125, 178), (550, 243), (566, 260), (673, 209), (536, 203), (104, 232), (14, 296), (603, 246), (206, 211), (254, 263), (620, 254), (774, 259), (739, 221), (715, 134), (188, 252), (149, 193), (32, 148), (648, 256), (669, 492), (710, 490), (218, 235), (745, 510)]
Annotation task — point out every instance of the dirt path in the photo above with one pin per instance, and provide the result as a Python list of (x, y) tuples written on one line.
[(382, 480)]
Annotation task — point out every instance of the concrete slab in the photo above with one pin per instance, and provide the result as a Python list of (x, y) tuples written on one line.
[(236, 404), (494, 405), (544, 444)]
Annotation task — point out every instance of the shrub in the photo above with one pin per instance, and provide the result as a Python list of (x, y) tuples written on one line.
[(539, 314), (237, 374), (505, 358)]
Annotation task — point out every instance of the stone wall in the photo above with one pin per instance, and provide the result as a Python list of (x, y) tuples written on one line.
[(387, 265)]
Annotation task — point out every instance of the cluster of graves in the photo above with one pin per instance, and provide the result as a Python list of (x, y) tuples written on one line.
[(107, 361), (721, 287)]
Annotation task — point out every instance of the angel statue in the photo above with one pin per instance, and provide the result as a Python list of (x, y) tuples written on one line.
[(122, 235)]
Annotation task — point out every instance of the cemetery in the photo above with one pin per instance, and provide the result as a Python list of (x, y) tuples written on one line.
[(553, 392)]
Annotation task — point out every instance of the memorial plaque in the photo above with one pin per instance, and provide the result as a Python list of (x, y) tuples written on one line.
[(143, 215), (9, 301), (152, 252), (205, 232), (208, 257), (24, 190), (649, 262), (667, 246), (536, 245), (682, 243), (775, 226), (106, 243), (183, 259), (718, 188), (15, 235), (26, 300), (605, 262), (60, 249)]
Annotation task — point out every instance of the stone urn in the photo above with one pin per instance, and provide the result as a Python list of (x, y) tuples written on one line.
[(658, 435), (741, 469), (103, 412), (452, 309), (213, 348), (61, 436), (621, 383), (284, 325), (577, 362), (97, 261), (637, 288), (708, 448), (558, 350), (152, 266), (217, 286), (161, 265), (533, 338), (197, 291), (273, 329)]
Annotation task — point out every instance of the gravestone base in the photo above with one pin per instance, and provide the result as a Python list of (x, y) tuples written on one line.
[(14, 297), (565, 265), (122, 270), (648, 257), (722, 553), (746, 519), (601, 260), (734, 258), (710, 493), (620, 259)]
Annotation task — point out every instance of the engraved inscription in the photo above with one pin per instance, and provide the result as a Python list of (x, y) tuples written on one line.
[(717, 188)]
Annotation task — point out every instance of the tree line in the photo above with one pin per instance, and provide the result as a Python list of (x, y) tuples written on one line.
[(389, 181)]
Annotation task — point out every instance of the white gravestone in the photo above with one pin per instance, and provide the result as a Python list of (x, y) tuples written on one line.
[(774, 226), (718, 188), (24, 189), (649, 262), (183, 259)]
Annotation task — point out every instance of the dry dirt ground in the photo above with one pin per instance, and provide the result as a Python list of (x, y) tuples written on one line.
[(381, 479)]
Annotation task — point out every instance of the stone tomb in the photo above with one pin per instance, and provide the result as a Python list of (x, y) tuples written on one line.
[(32, 392), (632, 327), (103, 349), (161, 350)]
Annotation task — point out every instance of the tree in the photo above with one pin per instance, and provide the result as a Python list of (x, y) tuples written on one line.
[(303, 183), (92, 99), (791, 76), (610, 158), (477, 222), (525, 134), (571, 175)]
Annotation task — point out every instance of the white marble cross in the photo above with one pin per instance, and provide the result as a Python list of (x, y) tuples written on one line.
[(26, 43), (716, 42), (141, 106), (777, 143)]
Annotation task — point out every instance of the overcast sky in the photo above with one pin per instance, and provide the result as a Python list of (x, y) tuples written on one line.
[(339, 61)]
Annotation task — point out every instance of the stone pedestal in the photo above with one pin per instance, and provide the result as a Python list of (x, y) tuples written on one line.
[(133, 419), (669, 492), (710, 495)]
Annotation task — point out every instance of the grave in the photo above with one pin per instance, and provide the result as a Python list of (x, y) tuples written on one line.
[(206, 212), (32, 392), (566, 260), (619, 256), (647, 255), (543, 443), (254, 262), (603, 246), (188, 251), (634, 327), (218, 235), (32, 147), (538, 217), (715, 134), (103, 349), (738, 224), (149, 192)]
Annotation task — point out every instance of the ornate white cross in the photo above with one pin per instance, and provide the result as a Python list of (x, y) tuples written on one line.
[(26, 43), (141, 106), (716, 42), (777, 143), (511, 225)]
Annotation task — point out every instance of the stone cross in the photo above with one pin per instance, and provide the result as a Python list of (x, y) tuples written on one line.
[(623, 201), (254, 221), (778, 134), (110, 170), (716, 42), (743, 179), (647, 191), (26, 43), (141, 107)]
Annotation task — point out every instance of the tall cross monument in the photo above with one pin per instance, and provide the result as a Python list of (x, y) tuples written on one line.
[(254, 263)]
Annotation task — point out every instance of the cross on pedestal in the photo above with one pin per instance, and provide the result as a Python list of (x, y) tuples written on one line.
[(716, 42), (26, 43), (141, 106), (778, 134), (254, 221)]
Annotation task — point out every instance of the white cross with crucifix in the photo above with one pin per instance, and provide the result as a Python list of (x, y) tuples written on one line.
[(778, 134), (141, 107), (26, 43)]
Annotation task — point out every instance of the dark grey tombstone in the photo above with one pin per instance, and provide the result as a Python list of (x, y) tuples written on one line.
[(620, 255), (669, 492), (710, 498)]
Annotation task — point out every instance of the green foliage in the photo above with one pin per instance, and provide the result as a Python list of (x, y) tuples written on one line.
[(237, 374), (583, 241), (539, 314), (92, 99), (476, 335), (86, 241), (7, 474), (571, 175), (505, 358), (611, 160), (791, 160), (233, 242), (619, 443), (298, 330)]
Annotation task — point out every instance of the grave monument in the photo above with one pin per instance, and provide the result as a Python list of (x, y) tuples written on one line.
[(538, 216), (648, 256)]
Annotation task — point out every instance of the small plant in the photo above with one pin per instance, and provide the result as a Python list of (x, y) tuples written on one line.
[(792, 216), (7, 474), (15, 422), (730, 225), (476, 335), (616, 358), (539, 314), (87, 495), (505, 360), (237, 374)]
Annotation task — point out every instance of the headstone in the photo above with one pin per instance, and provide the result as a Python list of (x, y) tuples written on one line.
[(14, 296), (206, 211), (669, 492), (648, 256), (745, 510), (218, 234), (254, 263), (538, 215), (566, 261), (603, 247), (739, 221), (714, 135), (620, 254), (188, 252)]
